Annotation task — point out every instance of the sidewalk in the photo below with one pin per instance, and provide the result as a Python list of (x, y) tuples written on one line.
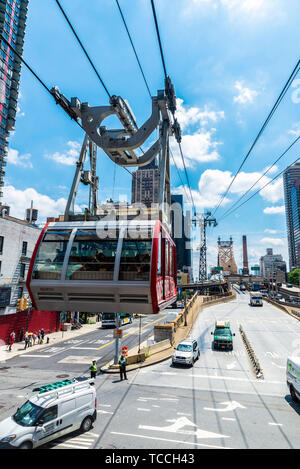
[(54, 338)]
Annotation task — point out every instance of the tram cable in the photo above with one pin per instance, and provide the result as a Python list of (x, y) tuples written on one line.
[(259, 179), (178, 137), (82, 47), (259, 190), (133, 47), (270, 115)]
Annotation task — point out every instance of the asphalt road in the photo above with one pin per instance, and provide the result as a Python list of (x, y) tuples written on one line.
[(218, 403), (75, 355)]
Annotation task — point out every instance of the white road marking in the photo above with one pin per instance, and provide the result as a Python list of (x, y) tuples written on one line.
[(172, 441), (104, 412), (75, 359), (178, 425), (143, 410), (105, 405), (229, 407), (229, 419), (67, 445), (84, 348), (275, 424), (36, 356)]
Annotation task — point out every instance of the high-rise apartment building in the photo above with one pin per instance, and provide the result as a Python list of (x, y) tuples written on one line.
[(145, 185), (291, 182), (13, 15)]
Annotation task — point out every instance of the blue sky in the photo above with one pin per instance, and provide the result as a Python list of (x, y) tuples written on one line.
[(228, 59)]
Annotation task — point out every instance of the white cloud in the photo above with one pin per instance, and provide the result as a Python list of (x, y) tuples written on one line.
[(69, 157), (274, 210), (213, 183), (13, 157), (198, 143), (273, 241), (273, 192), (295, 131), (246, 95), (20, 200), (188, 116), (267, 230), (246, 10), (19, 112)]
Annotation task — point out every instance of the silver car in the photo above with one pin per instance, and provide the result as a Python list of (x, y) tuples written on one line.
[(186, 353)]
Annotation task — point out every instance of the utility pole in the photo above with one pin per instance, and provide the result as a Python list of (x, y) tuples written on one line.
[(117, 346)]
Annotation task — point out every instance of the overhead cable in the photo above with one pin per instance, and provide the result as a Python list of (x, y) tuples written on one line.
[(278, 101), (259, 179), (133, 47), (83, 48), (259, 190)]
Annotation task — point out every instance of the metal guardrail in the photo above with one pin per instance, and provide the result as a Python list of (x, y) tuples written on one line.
[(253, 358)]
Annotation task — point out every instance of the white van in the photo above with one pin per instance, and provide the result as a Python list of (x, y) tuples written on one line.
[(293, 377), (256, 299), (58, 408)]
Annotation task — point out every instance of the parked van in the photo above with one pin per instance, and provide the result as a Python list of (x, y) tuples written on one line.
[(293, 377), (58, 409)]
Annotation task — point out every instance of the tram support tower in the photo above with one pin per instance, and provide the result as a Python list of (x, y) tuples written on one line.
[(206, 219), (123, 145), (226, 256)]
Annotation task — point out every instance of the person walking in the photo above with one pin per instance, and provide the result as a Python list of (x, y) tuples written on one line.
[(26, 340), (11, 342), (39, 337), (42, 334), (122, 364), (93, 369), (34, 338)]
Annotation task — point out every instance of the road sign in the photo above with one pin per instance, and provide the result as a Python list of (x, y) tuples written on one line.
[(255, 268), (118, 333), (219, 269)]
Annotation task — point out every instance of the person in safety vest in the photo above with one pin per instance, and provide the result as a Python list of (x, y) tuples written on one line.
[(93, 369), (122, 364)]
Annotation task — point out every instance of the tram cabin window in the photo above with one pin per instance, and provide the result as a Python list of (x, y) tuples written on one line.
[(135, 259), (91, 257), (51, 254)]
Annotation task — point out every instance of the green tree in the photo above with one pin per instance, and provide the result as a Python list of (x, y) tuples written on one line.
[(293, 277)]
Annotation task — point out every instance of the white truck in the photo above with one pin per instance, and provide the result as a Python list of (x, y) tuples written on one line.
[(293, 377), (256, 298)]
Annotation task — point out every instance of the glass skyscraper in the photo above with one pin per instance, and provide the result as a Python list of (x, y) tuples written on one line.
[(291, 181), (13, 16)]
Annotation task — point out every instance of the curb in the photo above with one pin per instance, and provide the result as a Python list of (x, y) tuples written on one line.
[(104, 370)]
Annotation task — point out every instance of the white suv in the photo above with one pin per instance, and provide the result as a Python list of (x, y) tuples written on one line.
[(58, 409), (186, 353)]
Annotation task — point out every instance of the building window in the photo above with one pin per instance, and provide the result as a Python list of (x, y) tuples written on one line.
[(20, 292), (24, 248), (22, 270), (1, 244)]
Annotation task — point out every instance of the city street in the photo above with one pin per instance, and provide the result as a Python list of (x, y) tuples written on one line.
[(219, 403)]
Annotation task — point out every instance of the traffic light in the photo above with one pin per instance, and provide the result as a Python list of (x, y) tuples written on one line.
[(20, 304)]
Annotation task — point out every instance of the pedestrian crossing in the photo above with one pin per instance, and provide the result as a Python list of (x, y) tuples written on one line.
[(78, 441)]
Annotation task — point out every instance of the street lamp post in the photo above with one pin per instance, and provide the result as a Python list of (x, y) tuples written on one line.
[(140, 331)]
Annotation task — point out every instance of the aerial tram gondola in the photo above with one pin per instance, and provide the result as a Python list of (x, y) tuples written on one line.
[(87, 263)]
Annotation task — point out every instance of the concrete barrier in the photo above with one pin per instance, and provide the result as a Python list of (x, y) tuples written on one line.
[(158, 347)]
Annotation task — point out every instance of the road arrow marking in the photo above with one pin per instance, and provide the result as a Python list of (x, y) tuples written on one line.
[(179, 424), (229, 407)]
